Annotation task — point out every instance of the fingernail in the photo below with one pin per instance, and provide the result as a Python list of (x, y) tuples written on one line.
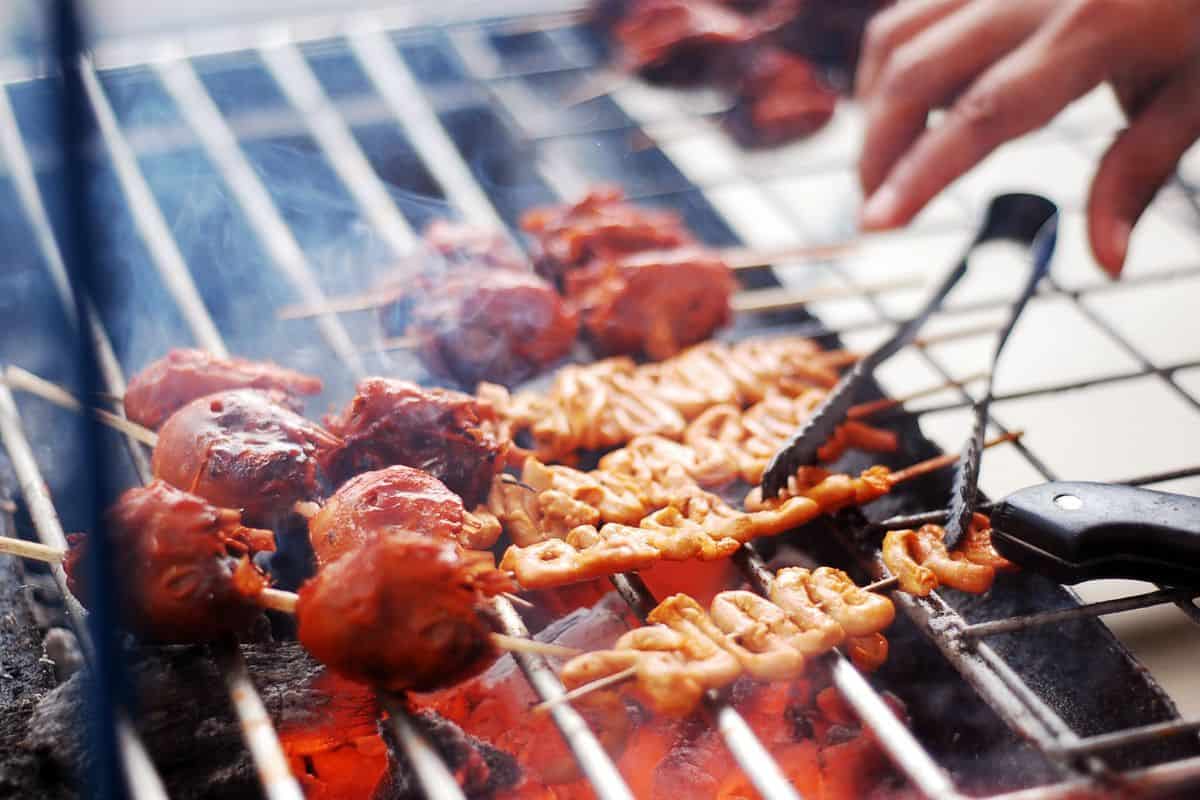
[(880, 210), (1119, 243)]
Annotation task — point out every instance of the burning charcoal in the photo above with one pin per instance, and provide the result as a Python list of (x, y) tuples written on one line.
[(482, 770)]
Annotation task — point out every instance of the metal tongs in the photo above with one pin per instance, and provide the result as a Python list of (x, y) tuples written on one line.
[(1026, 219)]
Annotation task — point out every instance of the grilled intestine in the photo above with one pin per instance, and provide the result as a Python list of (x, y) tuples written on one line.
[(921, 562), (182, 375), (610, 402), (686, 651), (183, 565)]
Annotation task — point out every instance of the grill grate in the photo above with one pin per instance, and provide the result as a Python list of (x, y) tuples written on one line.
[(501, 80)]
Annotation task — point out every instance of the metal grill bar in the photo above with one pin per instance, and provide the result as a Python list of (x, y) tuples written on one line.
[(149, 218), (293, 75), (143, 781), (754, 759), (264, 745), (184, 86), (438, 152), (981, 630), (431, 771)]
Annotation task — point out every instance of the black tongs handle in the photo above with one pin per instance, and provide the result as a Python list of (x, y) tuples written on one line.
[(1075, 531)]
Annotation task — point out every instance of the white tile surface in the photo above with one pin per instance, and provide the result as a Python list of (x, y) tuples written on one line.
[(705, 159), (1003, 469), (753, 218), (1162, 320), (1096, 111), (1159, 244), (1112, 432), (1189, 379), (836, 146), (929, 255), (1046, 166), (1053, 344)]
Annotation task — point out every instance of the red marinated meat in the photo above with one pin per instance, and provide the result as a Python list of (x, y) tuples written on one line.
[(183, 572), (238, 449), (681, 42), (182, 375), (448, 434), (401, 612), (654, 303), (600, 226), (780, 98), (395, 499)]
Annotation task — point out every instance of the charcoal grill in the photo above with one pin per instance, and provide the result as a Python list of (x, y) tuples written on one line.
[(316, 147)]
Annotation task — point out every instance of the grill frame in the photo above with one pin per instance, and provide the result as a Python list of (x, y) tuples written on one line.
[(417, 117)]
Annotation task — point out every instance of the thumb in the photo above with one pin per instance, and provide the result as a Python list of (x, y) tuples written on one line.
[(1139, 162)]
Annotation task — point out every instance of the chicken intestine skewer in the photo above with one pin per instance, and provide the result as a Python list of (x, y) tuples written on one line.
[(686, 651), (921, 563)]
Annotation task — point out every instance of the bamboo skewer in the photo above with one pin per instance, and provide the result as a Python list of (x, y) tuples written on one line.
[(784, 298), (579, 691), (945, 460), (23, 380), (873, 407), (285, 602)]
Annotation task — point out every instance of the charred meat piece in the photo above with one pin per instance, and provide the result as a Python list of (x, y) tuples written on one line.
[(401, 612), (656, 302), (448, 434), (780, 98), (478, 324), (681, 42), (183, 572), (600, 226), (238, 449), (392, 500), (182, 375)]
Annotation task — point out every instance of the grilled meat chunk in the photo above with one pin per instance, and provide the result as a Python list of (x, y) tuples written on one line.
[(395, 499), (182, 375), (238, 449), (600, 226), (780, 98), (448, 434), (183, 572), (681, 42), (655, 302), (478, 324), (400, 612)]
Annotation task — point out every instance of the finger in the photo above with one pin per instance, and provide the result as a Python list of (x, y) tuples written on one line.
[(1139, 162), (888, 29), (923, 73), (1021, 92)]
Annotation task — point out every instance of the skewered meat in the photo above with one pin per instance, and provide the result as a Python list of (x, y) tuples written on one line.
[(697, 525), (182, 566), (655, 302), (396, 499), (238, 449), (183, 375), (681, 42), (608, 403), (686, 651), (920, 560), (401, 612), (450, 435), (476, 310), (780, 98), (600, 226), (480, 324)]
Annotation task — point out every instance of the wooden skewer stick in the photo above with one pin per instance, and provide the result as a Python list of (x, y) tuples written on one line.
[(23, 380), (741, 258), (945, 460), (579, 691), (872, 407), (279, 600), (31, 550), (393, 343), (364, 301), (960, 333), (883, 585), (784, 298)]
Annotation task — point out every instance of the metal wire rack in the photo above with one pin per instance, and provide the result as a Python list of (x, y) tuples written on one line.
[(497, 89)]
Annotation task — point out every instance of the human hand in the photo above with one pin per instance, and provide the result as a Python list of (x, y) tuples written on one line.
[(1005, 67)]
